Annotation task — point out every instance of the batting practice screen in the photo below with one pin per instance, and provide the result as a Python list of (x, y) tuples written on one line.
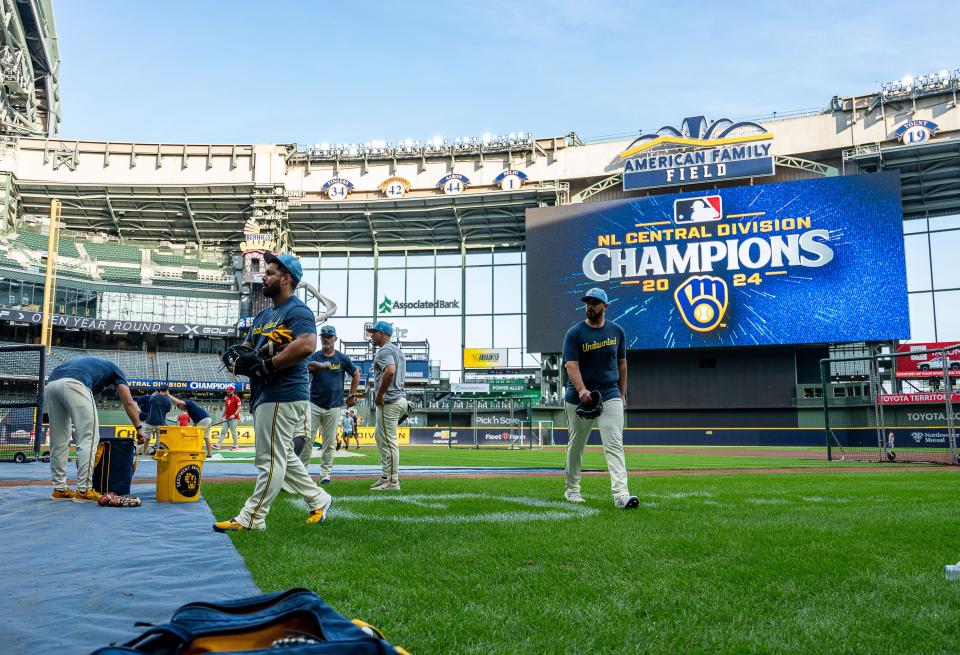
[(817, 261)]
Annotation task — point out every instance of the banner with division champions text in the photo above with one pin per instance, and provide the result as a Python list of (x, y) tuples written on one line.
[(816, 261)]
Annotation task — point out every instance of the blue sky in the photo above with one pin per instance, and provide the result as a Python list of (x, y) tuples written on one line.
[(282, 71)]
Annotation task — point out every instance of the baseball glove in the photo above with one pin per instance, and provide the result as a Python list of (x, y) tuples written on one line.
[(593, 409), (243, 360), (277, 340)]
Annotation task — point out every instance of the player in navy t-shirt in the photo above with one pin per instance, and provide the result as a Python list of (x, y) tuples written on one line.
[(69, 397), (328, 368), (200, 418), (284, 334), (595, 358)]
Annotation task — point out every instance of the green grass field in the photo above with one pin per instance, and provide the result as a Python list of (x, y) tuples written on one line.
[(553, 457), (798, 563)]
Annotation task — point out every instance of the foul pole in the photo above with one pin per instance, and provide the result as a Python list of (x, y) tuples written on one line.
[(50, 285)]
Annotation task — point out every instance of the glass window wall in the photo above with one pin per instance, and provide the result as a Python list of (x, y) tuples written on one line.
[(490, 315), (931, 248)]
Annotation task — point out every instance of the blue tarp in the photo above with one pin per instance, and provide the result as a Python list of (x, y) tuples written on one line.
[(76, 576)]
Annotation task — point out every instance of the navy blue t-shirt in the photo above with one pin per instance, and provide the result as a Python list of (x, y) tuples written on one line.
[(160, 405), (288, 384), (143, 402), (596, 350), (195, 411), (95, 373), (326, 388)]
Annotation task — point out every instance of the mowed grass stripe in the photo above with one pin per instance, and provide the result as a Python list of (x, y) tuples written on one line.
[(806, 563), (637, 459)]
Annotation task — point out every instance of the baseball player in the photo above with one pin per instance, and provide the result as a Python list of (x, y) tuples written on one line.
[(199, 416), (595, 358), (273, 356), (348, 428), (69, 397), (160, 406), (328, 367), (390, 402), (231, 414)]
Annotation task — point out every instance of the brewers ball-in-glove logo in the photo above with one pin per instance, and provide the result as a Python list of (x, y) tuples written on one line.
[(702, 301), (187, 481)]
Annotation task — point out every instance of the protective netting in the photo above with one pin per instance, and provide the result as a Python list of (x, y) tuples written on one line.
[(21, 402), (872, 413)]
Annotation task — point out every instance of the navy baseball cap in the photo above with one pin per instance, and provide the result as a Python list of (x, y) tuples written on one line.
[(289, 262), (328, 330), (596, 294), (382, 326)]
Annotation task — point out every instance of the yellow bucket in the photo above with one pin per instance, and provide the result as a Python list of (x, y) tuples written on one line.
[(187, 439), (179, 464), (178, 476)]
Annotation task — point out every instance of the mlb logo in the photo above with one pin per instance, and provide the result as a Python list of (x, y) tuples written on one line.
[(697, 210)]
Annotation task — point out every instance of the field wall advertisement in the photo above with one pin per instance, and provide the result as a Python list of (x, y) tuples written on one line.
[(815, 261)]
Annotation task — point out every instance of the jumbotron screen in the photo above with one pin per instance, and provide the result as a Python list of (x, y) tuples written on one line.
[(817, 261)]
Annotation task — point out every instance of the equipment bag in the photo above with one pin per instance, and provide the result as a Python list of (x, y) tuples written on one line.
[(296, 621), (115, 465)]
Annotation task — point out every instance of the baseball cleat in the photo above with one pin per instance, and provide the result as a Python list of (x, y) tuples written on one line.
[(325, 480), (63, 494), (627, 502), (379, 483), (230, 525), (319, 515), (573, 496), (88, 495), (388, 486)]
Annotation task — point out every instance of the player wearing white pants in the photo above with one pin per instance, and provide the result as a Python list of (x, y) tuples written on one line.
[(328, 369), (274, 357), (388, 415), (595, 358), (70, 401), (610, 424), (389, 375), (327, 421), (277, 464), (302, 444)]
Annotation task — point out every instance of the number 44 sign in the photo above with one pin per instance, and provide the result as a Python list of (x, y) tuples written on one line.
[(453, 184)]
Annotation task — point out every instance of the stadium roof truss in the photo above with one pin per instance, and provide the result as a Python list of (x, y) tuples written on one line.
[(929, 173), (29, 67), (215, 215), (469, 220), (205, 214)]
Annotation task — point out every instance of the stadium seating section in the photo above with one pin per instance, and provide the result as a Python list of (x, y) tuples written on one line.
[(179, 260), (120, 274), (78, 257), (112, 252), (136, 364)]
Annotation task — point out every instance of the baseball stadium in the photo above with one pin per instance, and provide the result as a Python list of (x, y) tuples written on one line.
[(782, 403)]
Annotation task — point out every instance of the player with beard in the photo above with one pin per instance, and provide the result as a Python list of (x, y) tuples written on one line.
[(595, 358), (279, 394)]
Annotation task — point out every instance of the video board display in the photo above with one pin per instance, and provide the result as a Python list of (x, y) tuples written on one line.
[(815, 261)]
